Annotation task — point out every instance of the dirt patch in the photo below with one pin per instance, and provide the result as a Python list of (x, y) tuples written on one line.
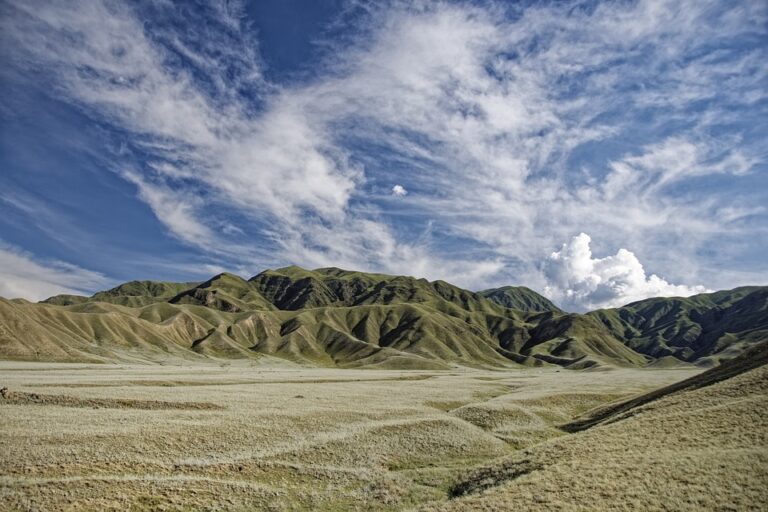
[(23, 398), (486, 478)]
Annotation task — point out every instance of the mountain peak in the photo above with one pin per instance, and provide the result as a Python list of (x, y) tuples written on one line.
[(519, 297)]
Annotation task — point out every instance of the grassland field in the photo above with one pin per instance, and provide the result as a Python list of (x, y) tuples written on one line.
[(246, 436)]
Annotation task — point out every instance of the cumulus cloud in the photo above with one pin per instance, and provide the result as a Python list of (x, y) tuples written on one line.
[(399, 191), (580, 282), (23, 276)]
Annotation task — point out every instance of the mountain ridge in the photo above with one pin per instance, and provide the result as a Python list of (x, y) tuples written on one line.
[(335, 317)]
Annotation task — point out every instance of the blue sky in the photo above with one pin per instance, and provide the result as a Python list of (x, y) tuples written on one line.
[(598, 152)]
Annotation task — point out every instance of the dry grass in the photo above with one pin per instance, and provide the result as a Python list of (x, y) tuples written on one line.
[(703, 449), (322, 439)]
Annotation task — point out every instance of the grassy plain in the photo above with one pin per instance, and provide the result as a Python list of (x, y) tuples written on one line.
[(250, 437)]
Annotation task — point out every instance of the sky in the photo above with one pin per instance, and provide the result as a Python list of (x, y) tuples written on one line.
[(598, 152)]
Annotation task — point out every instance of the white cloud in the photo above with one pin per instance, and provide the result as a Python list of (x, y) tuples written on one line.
[(484, 110), (23, 276), (399, 191), (177, 213), (580, 282), (667, 162)]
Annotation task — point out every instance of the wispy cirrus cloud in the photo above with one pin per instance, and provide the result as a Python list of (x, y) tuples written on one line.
[(511, 127), (179, 213)]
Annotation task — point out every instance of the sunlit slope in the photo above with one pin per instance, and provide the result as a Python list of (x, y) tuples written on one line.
[(397, 336), (334, 317), (94, 331)]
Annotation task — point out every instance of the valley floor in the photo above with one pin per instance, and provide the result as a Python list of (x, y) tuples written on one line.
[(260, 437)]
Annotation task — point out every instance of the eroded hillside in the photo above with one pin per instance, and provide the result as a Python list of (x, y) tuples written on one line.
[(332, 317)]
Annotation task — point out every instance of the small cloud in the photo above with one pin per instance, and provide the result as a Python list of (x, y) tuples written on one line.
[(399, 191), (578, 281)]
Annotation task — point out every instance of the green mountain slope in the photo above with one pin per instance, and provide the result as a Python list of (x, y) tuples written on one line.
[(334, 317), (519, 297), (701, 329), (293, 288), (132, 294), (579, 341), (224, 292)]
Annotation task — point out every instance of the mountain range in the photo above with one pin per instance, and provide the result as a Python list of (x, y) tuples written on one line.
[(339, 318)]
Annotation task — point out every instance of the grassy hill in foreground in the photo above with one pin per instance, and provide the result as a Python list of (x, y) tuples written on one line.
[(333, 317), (695, 445)]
